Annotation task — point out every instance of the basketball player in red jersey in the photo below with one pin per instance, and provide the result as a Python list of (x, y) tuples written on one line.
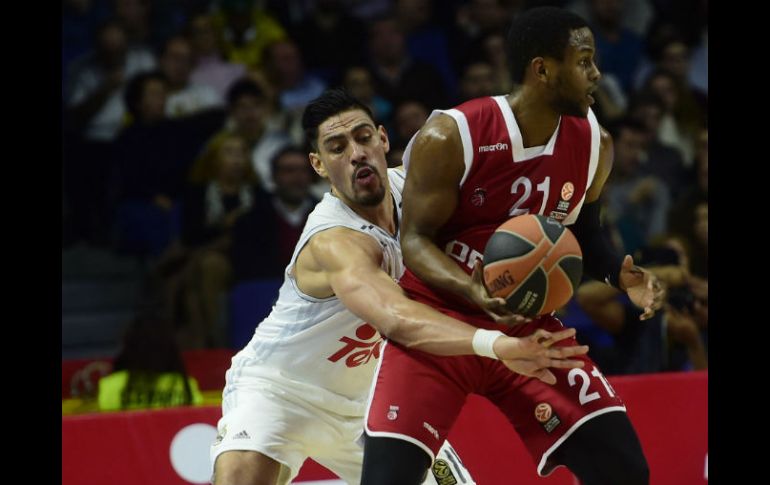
[(538, 150)]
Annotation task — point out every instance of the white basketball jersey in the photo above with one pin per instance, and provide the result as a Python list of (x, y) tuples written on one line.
[(317, 346)]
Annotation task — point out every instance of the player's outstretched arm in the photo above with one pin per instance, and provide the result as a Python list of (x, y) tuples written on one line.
[(436, 167), (350, 262), (600, 259)]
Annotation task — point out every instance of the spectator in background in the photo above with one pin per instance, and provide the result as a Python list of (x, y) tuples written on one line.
[(688, 218), (478, 79), (678, 127), (476, 21), (96, 81), (637, 202), (94, 114), (493, 51), (660, 160), (134, 17), (246, 30), (398, 77), (426, 40), (184, 98), (323, 32), (357, 80), (149, 371), (210, 211), (80, 19), (250, 113), (209, 67), (263, 239), (145, 177), (407, 120), (619, 49), (151, 157), (285, 71)]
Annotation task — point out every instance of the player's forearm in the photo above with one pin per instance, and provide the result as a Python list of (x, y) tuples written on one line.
[(383, 304), (419, 327), (432, 265)]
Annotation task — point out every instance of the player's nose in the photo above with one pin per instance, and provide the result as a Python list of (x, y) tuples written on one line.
[(358, 154)]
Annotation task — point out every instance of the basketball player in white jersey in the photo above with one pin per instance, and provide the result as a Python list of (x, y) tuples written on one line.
[(299, 388)]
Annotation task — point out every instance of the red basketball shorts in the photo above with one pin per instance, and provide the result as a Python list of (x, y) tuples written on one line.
[(417, 396)]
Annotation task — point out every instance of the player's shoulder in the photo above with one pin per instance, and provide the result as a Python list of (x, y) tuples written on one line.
[(341, 246)]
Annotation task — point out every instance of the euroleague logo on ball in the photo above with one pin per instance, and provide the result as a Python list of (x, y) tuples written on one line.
[(543, 412), (567, 190), (479, 197)]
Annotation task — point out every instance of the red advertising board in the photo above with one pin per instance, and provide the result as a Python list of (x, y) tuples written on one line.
[(170, 446)]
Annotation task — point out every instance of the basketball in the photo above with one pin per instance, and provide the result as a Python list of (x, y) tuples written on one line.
[(534, 262)]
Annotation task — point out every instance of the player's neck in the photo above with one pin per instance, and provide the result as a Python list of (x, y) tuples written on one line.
[(382, 214), (536, 120)]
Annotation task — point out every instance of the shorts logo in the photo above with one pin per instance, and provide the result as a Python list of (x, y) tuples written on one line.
[(220, 435), (366, 350), (443, 473), (546, 417), (392, 413), (478, 197), (567, 190)]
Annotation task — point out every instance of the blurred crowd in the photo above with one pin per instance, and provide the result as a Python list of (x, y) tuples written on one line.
[(182, 143)]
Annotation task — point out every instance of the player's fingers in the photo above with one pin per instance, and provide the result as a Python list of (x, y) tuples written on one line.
[(546, 376), (648, 313), (478, 273), (563, 352), (565, 363), (561, 335)]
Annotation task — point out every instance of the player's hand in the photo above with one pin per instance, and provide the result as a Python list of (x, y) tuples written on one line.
[(643, 287), (493, 306), (533, 355)]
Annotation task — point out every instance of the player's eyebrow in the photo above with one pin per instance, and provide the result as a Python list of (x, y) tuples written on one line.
[(331, 138)]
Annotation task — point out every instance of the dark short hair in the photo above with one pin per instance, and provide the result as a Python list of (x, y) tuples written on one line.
[(542, 31), (328, 104), (244, 87), (135, 90)]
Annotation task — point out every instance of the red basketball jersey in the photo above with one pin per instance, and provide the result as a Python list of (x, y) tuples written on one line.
[(502, 179)]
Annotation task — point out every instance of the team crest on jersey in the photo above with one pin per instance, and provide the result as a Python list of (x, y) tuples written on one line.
[(442, 472), (546, 417), (478, 197), (392, 413)]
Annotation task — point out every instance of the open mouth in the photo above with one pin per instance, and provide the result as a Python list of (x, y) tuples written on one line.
[(364, 172)]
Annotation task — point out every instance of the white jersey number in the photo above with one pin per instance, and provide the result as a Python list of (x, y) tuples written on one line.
[(526, 184), (584, 397)]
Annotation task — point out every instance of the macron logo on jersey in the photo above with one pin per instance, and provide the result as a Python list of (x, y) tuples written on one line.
[(497, 147)]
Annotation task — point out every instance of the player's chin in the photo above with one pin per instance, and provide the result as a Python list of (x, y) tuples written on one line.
[(370, 197)]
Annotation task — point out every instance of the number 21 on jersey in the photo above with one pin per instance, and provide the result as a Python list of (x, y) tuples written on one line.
[(522, 187)]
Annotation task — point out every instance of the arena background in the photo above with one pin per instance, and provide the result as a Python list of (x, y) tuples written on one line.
[(133, 214)]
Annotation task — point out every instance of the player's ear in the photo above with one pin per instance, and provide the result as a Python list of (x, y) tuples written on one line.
[(539, 69), (318, 166), (384, 138)]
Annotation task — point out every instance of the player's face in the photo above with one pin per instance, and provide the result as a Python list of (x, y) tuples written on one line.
[(578, 75), (351, 154)]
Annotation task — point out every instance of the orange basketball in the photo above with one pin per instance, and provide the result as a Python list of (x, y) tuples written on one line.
[(534, 262)]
